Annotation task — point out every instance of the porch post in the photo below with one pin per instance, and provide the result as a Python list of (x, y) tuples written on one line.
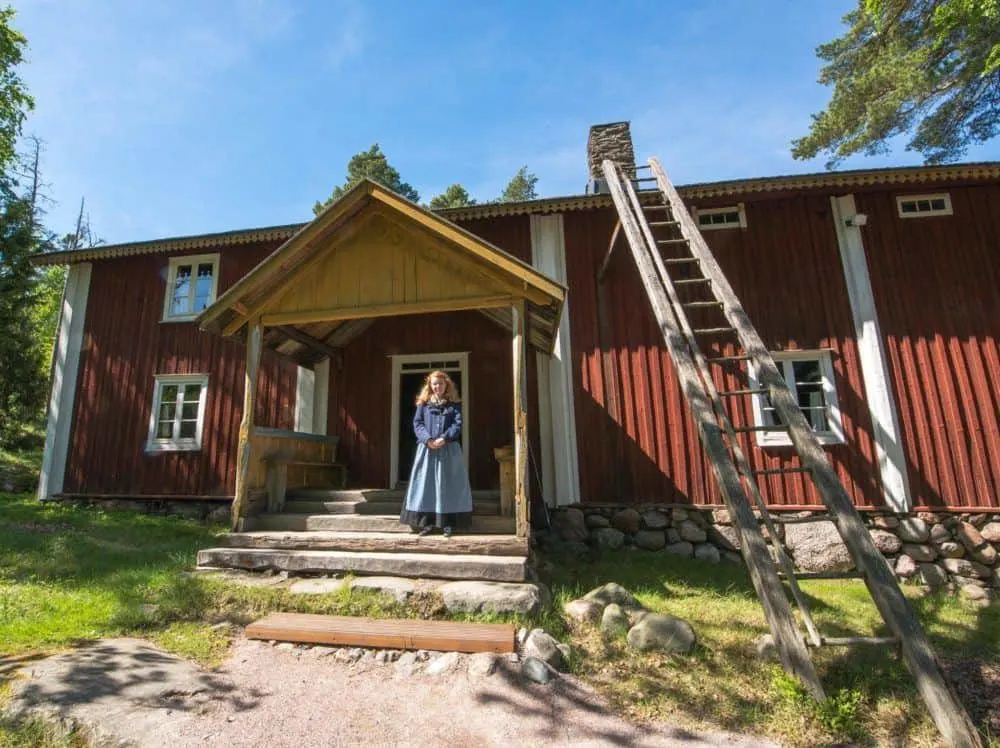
[(520, 422), (254, 339)]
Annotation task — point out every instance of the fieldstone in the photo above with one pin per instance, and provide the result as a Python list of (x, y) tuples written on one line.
[(817, 546), (972, 539), (654, 519), (906, 567), (707, 552), (493, 597), (913, 530), (483, 664), (679, 515), (920, 552), (567, 651), (395, 587), (991, 532), (725, 537), (570, 524), (382, 656), (537, 671), (662, 633), (609, 538), (597, 520), (766, 650), (964, 568), (406, 663), (683, 548), (673, 536), (614, 622), (883, 522), (951, 549), (886, 542), (219, 514), (585, 611), (732, 557), (975, 593), (627, 520), (985, 554), (691, 532), (319, 586), (978, 520), (543, 646), (443, 664), (932, 575), (650, 540), (614, 593), (940, 534), (721, 517)]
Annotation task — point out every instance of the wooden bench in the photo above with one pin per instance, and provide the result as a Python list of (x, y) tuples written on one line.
[(295, 460)]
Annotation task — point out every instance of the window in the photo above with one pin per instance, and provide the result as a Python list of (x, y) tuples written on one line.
[(732, 217), (919, 206), (178, 413), (809, 375), (191, 284)]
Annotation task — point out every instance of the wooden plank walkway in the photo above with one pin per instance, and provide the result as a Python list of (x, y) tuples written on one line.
[(444, 636)]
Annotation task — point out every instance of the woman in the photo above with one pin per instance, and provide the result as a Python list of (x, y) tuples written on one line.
[(439, 494)]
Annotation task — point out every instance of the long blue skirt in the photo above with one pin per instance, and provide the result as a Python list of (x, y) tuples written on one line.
[(439, 494)]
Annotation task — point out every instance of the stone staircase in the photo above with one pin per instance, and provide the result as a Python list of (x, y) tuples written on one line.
[(358, 531)]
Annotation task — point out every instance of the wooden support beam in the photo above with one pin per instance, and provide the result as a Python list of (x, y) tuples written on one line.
[(520, 422), (254, 345), (385, 310), (308, 340), (607, 256)]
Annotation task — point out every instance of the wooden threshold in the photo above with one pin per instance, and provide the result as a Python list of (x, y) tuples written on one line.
[(444, 636)]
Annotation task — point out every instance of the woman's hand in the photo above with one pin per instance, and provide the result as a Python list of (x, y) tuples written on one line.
[(436, 443)]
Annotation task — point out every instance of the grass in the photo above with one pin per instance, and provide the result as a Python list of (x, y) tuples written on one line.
[(19, 466), (72, 574), (723, 684)]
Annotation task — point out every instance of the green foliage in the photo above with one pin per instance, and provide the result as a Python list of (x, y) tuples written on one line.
[(455, 196), (927, 67), (15, 102), (374, 165), (520, 188), (838, 714)]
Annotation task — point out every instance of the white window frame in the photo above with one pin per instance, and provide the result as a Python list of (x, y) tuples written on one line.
[(784, 359), (945, 211), (168, 293), (176, 444), (738, 208)]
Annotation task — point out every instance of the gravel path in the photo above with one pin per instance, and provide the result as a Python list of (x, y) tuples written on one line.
[(285, 696)]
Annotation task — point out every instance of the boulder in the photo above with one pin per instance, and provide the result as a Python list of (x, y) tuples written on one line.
[(493, 597), (975, 593), (585, 611), (544, 647), (654, 519), (906, 567), (650, 540), (951, 549), (395, 587), (940, 534), (609, 538), (817, 546), (707, 552), (627, 521), (721, 517), (913, 530), (682, 548), (964, 568), (570, 524), (679, 515), (732, 557), (991, 532), (920, 552), (673, 536), (692, 532), (970, 537), (595, 521), (316, 586), (932, 575), (537, 671), (612, 593), (725, 537), (483, 664), (443, 663), (883, 522), (614, 622), (661, 633), (887, 543), (766, 650)]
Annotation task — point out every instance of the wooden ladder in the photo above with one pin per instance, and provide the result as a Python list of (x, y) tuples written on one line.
[(672, 255)]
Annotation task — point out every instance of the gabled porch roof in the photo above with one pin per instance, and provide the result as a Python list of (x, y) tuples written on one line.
[(373, 254)]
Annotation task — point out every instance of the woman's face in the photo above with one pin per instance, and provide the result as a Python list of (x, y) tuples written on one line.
[(439, 386)]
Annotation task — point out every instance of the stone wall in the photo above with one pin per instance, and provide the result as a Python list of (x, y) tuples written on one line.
[(958, 551), (613, 141), (205, 511)]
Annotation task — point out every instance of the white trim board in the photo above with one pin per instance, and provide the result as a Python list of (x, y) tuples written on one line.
[(65, 367), (321, 396), (305, 390), (433, 359), (560, 466), (874, 365)]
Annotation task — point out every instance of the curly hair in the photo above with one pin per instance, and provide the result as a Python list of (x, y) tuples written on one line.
[(450, 390)]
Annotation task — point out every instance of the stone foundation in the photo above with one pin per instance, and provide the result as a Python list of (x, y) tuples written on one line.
[(958, 551), (203, 510)]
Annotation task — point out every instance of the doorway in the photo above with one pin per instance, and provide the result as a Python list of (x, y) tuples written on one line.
[(408, 374)]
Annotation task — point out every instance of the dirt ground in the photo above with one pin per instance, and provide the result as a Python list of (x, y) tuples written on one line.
[(129, 691)]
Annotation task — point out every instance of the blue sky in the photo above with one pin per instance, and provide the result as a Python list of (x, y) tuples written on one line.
[(189, 116)]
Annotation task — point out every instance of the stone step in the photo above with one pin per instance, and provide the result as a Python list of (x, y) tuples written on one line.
[(369, 494), (386, 542), (414, 565), (363, 506), (481, 524)]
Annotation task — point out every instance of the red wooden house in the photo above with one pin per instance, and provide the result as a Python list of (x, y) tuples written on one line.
[(876, 289)]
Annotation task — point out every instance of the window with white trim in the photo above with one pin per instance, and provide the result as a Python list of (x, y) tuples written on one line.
[(809, 375), (191, 285), (921, 206), (178, 413), (731, 217)]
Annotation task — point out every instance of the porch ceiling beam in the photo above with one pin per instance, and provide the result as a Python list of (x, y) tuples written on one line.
[(386, 310), (308, 340)]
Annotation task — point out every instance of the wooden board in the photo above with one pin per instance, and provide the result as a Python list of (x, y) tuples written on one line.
[(444, 636)]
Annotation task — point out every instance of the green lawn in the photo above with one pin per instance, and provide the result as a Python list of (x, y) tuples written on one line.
[(70, 574)]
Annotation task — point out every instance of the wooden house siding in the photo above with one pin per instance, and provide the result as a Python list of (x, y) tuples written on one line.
[(935, 282), (125, 346)]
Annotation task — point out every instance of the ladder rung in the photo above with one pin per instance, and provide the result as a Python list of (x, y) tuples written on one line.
[(847, 641), (753, 391), (656, 207), (701, 304), (725, 359), (692, 281), (822, 517), (642, 166), (777, 471), (666, 223), (750, 429), (668, 241), (823, 574), (681, 261), (644, 179), (713, 330)]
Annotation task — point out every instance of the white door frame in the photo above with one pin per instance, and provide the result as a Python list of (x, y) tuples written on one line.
[(434, 361)]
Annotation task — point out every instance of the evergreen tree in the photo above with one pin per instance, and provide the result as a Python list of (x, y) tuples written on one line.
[(521, 188), (374, 165), (455, 196)]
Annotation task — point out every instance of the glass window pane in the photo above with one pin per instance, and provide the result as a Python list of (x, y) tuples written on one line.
[(189, 412), (188, 429), (203, 286), (165, 429), (181, 303), (192, 393), (809, 392)]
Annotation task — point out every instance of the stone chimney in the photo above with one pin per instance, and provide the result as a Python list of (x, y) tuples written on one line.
[(613, 141)]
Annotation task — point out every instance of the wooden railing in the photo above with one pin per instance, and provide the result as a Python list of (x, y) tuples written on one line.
[(290, 459)]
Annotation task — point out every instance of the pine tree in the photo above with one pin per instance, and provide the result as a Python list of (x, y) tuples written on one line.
[(374, 165), (520, 188)]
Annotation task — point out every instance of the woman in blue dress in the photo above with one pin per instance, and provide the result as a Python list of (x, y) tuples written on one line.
[(439, 494)]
